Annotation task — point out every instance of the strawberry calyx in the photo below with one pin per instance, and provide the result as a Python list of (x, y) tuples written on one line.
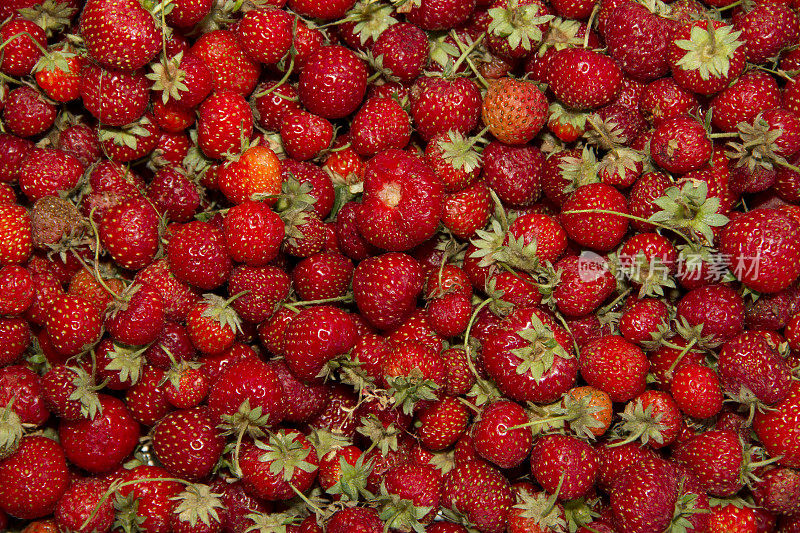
[(128, 135), (579, 170), (126, 513), (757, 149), (86, 392), (11, 430), (651, 276), (408, 390), (285, 454), (461, 152), (352, 483), (518, 24), (539, 355), (219, 309), (128, 361), (639, 423), (383, 437), (197, 504), (709, 50), (567, 124), (401, 514), (52, 16), (370, 19), (690, 211), (543, 508), (277, 522), (685, 508), (168, 78)]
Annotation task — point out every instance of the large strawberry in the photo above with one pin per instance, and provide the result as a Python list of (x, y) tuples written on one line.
[(333, 82), (119, 34), (584, 79), (402, 201), (188, 443), (130, 233), (479, 493), (315, 336), (638, 40), (33, 479)]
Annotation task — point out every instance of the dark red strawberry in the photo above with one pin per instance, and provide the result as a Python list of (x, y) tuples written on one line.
[(197, 255), (587, 216), (333, 82), (494, 438), (480, 494), (386, 288), (638, 40), (224, 119), (564, 465), (439, 105), (27, 112), (188, 443), (119, 34), (584, 79), (33, 479), (231, 69), (265, 34), (115, 98), (513, 172), (614, 366), (314, 336), (380, 124)]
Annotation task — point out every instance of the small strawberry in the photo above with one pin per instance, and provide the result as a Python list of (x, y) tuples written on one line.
[(333, 82), (212, 324), (253, 233), (23, 42), (380, 124), (83, 504), (265, 34), (188, 443), (696, 390), (130, 233), (115, 98), (197, 255), (439, 105), (16, 240), (479, 493), (638, 40), (515, 173), (752, 93), (514, 110), (305, 135), (119, 34), (771, 428), (679, 144), (614, 366), (584, 79), (585, 282), (752, 371), (761, 44), (256, 171), (280, 467), (224, 119), (386, 288), (495, 437), (73, 324)]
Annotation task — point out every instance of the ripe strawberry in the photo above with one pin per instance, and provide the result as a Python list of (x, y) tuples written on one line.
[(262, 289), (752, 371), (439, 105), (397, 214), (178, 296), (585, 283), (514, 110), (278, 468), (420, 484), (174, 195), (134, 141), (439, 14), (644, 496), (119, 34), (777, 490), (101, 444), (197, 255), (15, 337), (322, 276), (530, 357), (441, 424), (224, 119), (305, 135), (83, 503), (386, 288), (33, 479), (147, 398), (253, 233), (22, 389), (564, 465), (145, 498), (716, 458), (185, 14), (679, 144), (269, 107), (245, 389), (480, 493), (315, 336), (637, 39), (584, 79), (333, 82), (212, 324), (294, 173), (641, 319), (14, 150), (363, 519), (322, 10), (515, 173), (130, 233), (20, 38), (115, 98), (663, 99), (16, 241), (265, 34), (614, 366), (73, 324), (600, 231), (718, 308), (699, 71), (231, 69), (256, 171), (762, 248), (188, 443), (761, 44), (307, 400), (403, 49), (752, 93), (730, 517), (467, 210), (696, 390), (772, 426), (496, 441), (380, 124)]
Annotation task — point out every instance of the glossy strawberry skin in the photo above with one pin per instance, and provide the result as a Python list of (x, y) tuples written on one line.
[(584, 79), (130, 233), (73, 324), (231, 69), (386, 288), (333, 82), (614, 366), (265, 34), (637, 39), (557, 455), (495, 442), (20, 54), (115, 98), (27, 492), (119, 33), (774, 426), (187, 443), (480, 492), (249, 380), (439, 105), (314, 336), (598, 231), (748, 362), (197, 255), (224, 119)]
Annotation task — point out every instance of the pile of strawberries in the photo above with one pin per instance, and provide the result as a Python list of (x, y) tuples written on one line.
[(443, 266)]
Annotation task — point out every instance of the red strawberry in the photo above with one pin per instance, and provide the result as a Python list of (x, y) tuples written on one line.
[(362, 519), (188, 443), (265, 34), (638, 40), (322, 10), (33, 479), (584, 79), (73, 324), (439, 14), (115, 98), (178, 296), (679, 144), (253, 233), (16, 241), (399, 214), (231, 69), (600, 231), (564, 465), (145, 498), (47, 172), (762, 248), (752, 371), (716, 458), (773, 426), (643, 497), (380, 124), (15, 337), (212, 324), (514, 172), (20, 38), (82, 503), (130, 233), (269, 108), (333, 82), (585, 283), (224, 119), (641, 319), (101, 444), (21, 388), (280, 467), (441, 424), (185, 14), (321, 276), (244, 390), (696, 390), (314, 336), (479, 493), (777, 490), (305, 135), (306, 400), (119, 34), (718, 308), (420, 484), (197, 255), (761, 43), (663, 99), (386, 288), (494, 438), (467, 210), (174, 195), (514, 110), (614, 366), (752, 93), (261, 291), (439, 105)]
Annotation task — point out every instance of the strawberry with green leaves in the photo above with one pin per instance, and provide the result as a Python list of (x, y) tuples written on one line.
[(279, 467), (314, 337)]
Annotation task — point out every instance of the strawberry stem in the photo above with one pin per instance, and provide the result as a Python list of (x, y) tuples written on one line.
[(681, 355), (348, 298), (628, 216), (539, 421)]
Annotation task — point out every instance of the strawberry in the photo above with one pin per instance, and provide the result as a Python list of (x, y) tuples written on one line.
[(27, 492), (187, 443), (679, 144), (564, 465), (101, 444), (600, 231), (514, 110), (224, 119), (82, 503), (777, 490), (73, 324), (515, 173), (130, 233), (614, 366), (138, 317), (305, 135), (585, 283), (265, 35), (439, 105), (752, 93), (467, 210), (717, 459), (280, 467), (269, 107), (212, 324), (46, 172), (584, 79), (774, 425), (637, 39), (380, 124), (762, 248), (145, 498), (644, 496), (185, 14), (70, 392), (197, 255), (530, 357), (730, 517), (178, 296), (439, 14), (397, 214), (309, 341), (262, 289), (752, 371), (333, 82), (14, 149), (694, 67), (420, 484), (322, 276), (696, 390), (256, 171), (386, 288), (231, 69), (174, 195), (28, 113), (364, 519), (718, 308), (403, 49), (641, 319), (115, 98), (663, 99), (15, 337), (23, 42), (253, 233), (22, 389), (322, 10), (310, 176), (119, 34), (479, 493), (16, 241), (761, 44), (247, 395), (441, 424), (495, 438)]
